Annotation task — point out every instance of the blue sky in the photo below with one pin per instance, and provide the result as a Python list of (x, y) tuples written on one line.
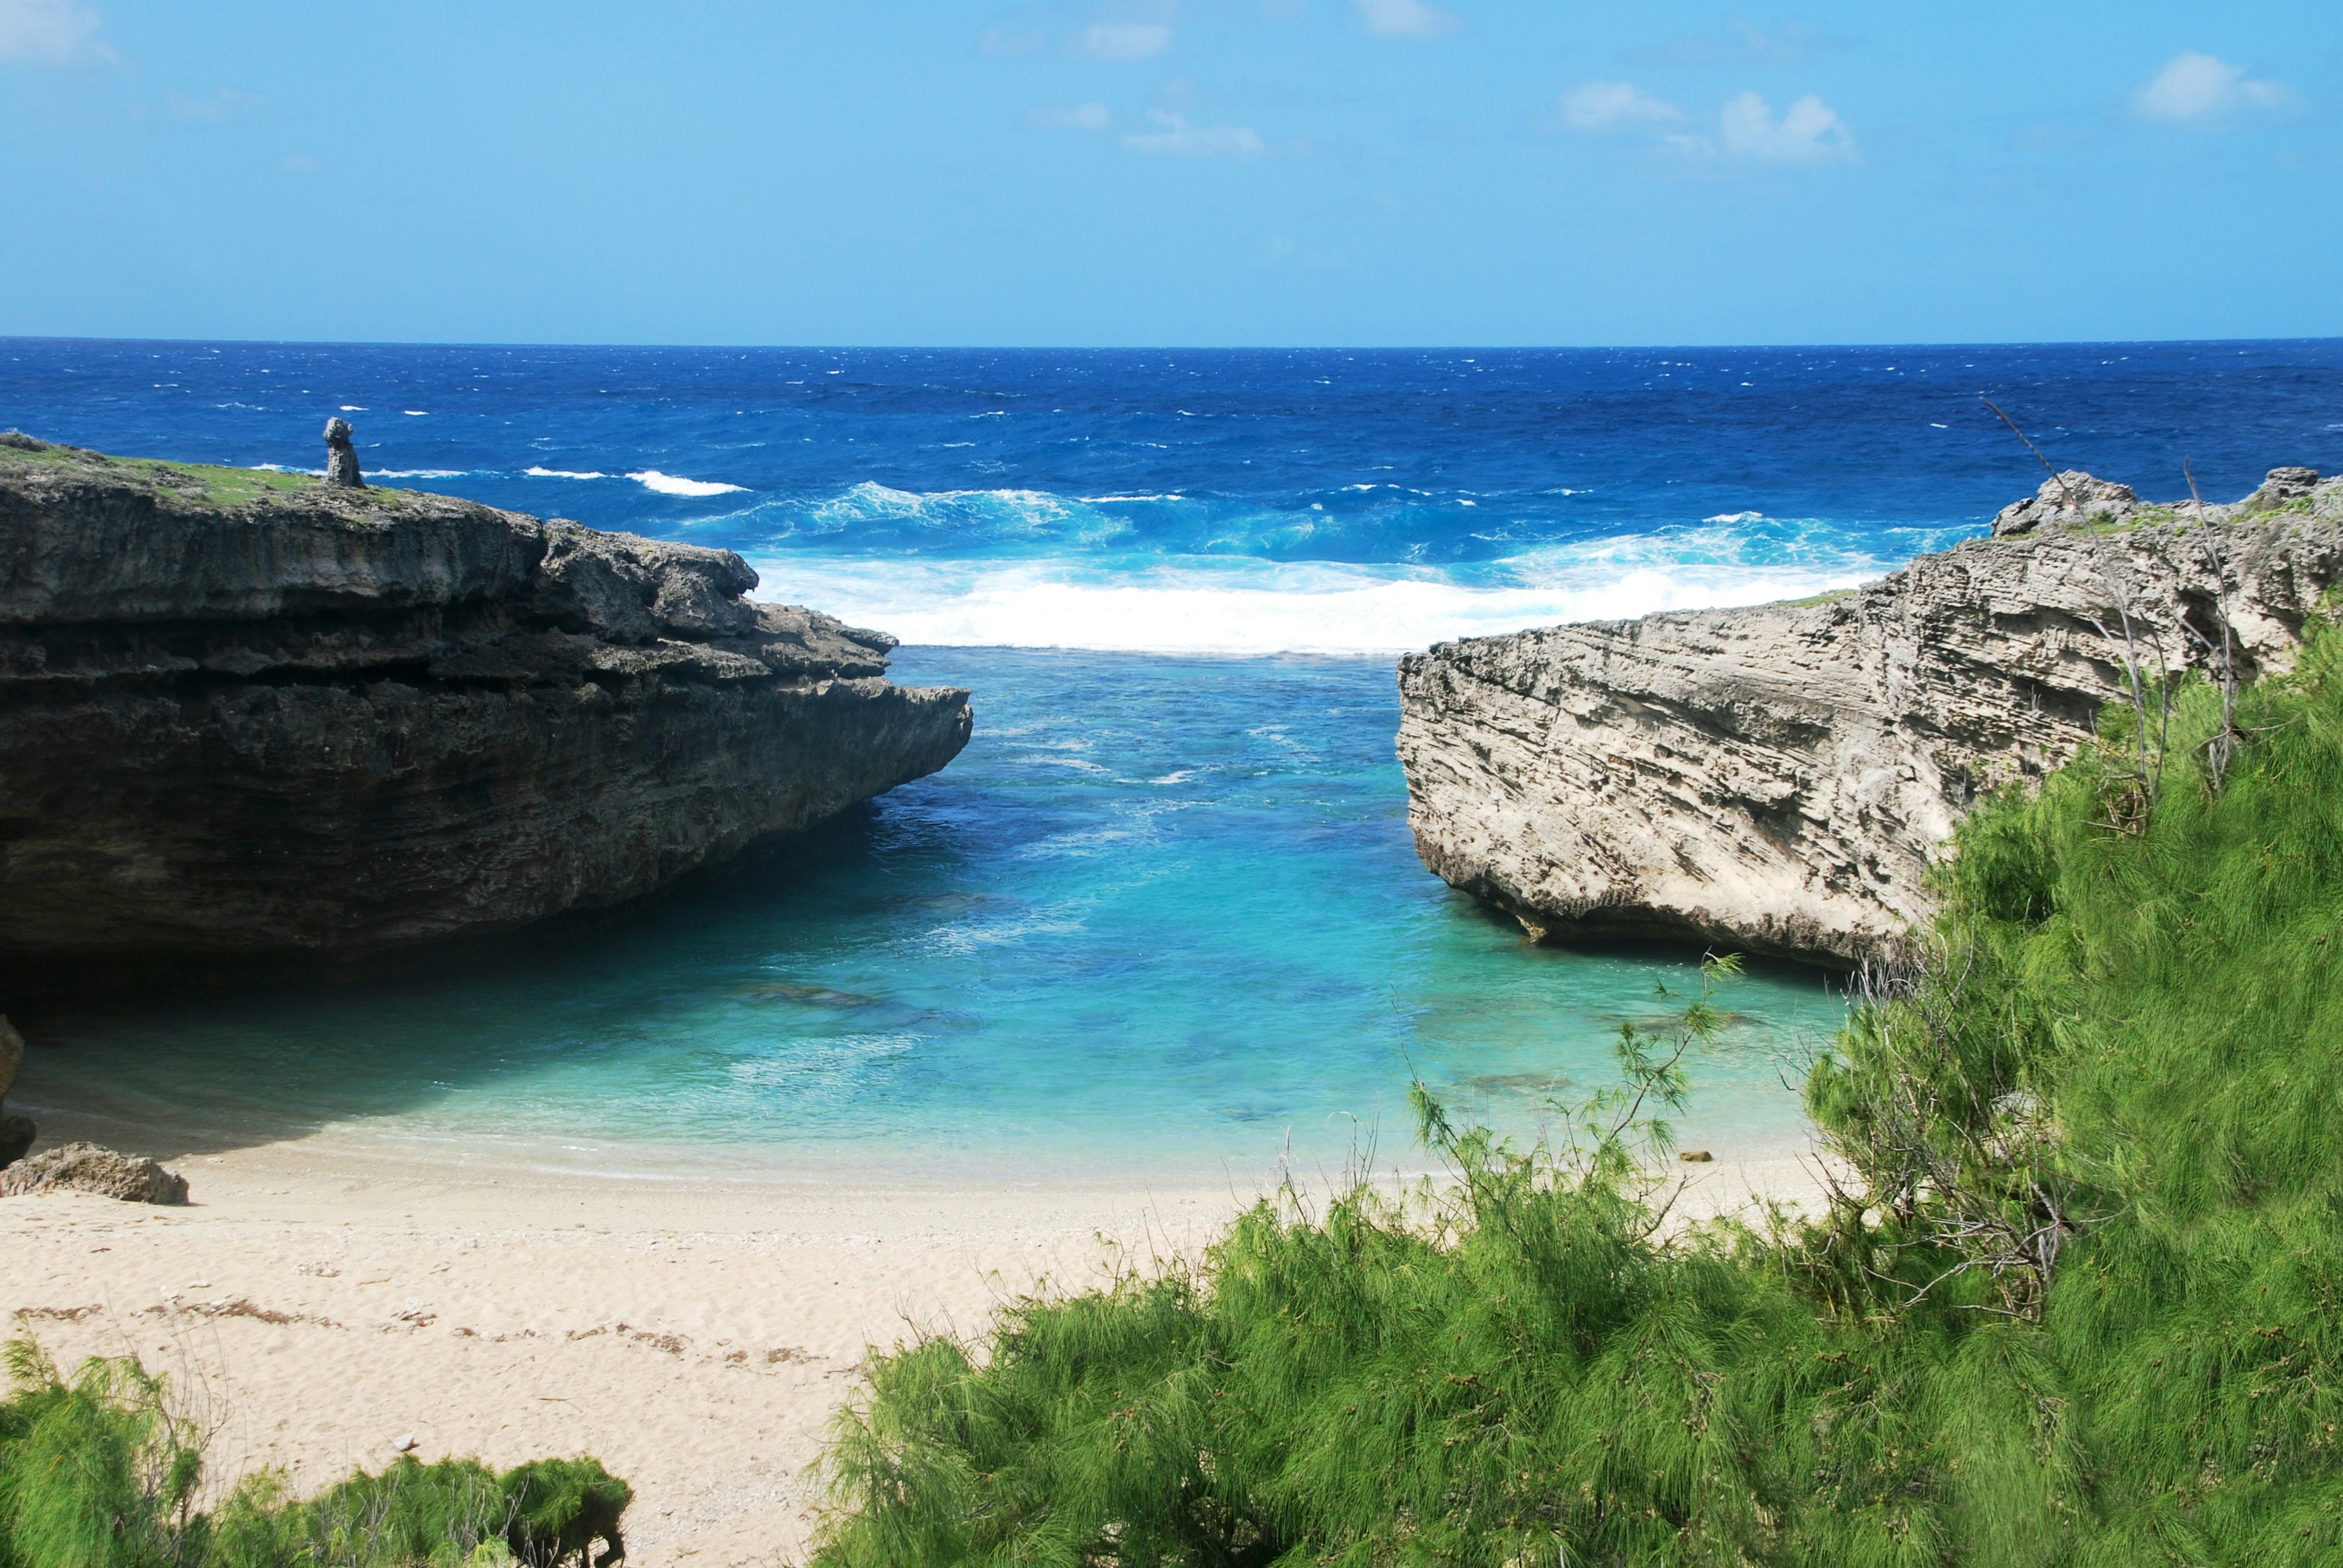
[(1127, 172)]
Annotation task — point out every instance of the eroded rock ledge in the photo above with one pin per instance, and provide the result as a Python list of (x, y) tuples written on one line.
[(244, 713), (1775, 779)]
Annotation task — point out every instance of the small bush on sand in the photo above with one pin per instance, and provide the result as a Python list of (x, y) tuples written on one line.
[(99, 1472)]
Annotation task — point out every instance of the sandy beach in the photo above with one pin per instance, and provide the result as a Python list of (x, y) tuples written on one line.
[(319, 1302)]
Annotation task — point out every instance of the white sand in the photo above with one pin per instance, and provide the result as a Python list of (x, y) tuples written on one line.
[(320, 1302)]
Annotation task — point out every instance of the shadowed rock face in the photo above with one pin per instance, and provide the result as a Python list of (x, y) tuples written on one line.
[(333, 720), (16, 1132), (1775, 779)]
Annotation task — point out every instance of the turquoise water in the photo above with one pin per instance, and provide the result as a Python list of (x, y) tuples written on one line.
[(1162, 916)]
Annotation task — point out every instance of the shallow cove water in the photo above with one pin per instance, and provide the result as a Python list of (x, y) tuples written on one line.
[(1162, 919), (1163, 915)]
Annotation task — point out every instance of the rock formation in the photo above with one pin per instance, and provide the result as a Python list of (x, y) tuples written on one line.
[(2072, 498), (88, 1168), (244, 713), (16, 1132), (341, 458), (1775, 779)]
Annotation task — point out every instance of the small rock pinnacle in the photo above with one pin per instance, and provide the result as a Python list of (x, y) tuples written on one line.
[(341, 458)]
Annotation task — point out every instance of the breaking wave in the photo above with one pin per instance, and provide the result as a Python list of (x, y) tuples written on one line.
[(671, 484), (1197, 605)]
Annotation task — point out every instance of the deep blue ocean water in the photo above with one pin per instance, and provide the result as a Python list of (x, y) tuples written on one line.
[(1163, 914)]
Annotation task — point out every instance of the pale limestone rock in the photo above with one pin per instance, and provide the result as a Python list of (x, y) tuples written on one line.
[(88, 1168), (2074, 496), (1775, 779)]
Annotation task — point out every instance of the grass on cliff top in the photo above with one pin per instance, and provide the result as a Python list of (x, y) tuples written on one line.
[(2184, 515), (2083, 1304), (205, 483)]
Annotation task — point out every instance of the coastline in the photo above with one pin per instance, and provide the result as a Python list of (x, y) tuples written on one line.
[(319, 1301)]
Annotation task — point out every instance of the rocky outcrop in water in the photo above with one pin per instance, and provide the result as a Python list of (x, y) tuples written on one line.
[(244, 712), (1775, 779)]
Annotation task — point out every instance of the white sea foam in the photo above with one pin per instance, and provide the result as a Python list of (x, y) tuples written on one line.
[(669, 485), (535, 473), (419, 473), (994, 514), (1736, 518), (1197, 606), (354, 408), (415, 413)]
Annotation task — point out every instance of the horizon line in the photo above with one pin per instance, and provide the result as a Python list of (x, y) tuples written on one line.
[(1170, 347)]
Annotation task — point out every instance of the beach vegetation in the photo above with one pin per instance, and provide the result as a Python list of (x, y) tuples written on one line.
[(2074, 1296), (1815, 600), (205, 484), (104, 1469)]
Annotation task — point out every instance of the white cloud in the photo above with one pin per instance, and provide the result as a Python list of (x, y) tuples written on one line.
[(1808, 132), (1080, 117), (49, 32), (2195, 89), (1122, 40), (1178, 138), (1607, 105), (1407, 18)]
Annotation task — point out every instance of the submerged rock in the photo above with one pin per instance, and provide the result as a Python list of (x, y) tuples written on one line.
[(246, 713), (1775, 779), (88, 1168)]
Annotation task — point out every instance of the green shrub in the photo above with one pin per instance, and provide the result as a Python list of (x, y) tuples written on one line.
[(2080, 1301), (94, 1472), (99, 1472)]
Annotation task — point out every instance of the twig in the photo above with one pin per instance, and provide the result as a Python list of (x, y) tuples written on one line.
[(2072, 504), (2217, 751)]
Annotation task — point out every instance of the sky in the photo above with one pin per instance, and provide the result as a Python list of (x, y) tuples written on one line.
[(1104, 173)]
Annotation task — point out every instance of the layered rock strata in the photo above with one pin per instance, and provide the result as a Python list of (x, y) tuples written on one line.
[(244, 713), (1775, 779)]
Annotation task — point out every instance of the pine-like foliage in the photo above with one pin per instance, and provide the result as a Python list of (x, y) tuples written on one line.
[(2080, 1304), (99, 1471)]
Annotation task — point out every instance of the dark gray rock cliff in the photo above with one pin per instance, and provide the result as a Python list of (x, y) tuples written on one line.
[(244, 713), (1775, 779)]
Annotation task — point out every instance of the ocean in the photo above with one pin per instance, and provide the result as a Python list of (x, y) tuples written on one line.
[(1163, 916)]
